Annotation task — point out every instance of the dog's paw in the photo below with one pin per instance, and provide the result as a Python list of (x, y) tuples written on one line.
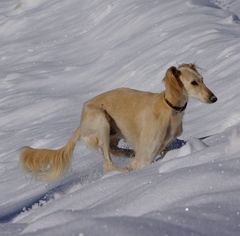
[(111, 167)]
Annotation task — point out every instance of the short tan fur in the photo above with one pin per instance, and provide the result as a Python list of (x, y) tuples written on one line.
[(148, 121)]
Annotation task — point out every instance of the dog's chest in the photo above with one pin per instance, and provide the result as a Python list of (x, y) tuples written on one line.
[(174, 127)]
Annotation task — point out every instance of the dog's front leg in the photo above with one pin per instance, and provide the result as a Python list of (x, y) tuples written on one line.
[(145, 155)]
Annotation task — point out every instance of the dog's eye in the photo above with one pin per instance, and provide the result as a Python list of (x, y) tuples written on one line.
[(194, 83)]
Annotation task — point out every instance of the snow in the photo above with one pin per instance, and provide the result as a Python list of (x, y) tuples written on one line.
[(54, 55)]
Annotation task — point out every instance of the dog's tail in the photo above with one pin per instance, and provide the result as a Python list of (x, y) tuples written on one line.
[(49, 164)]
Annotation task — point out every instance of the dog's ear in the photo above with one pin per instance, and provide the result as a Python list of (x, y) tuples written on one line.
[(172, 77), (193, 67), (174, 71)]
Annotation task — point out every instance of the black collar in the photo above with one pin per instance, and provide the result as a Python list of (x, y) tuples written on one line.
[(177, 109)]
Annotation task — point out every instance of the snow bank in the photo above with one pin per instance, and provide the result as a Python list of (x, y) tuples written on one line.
[(23, 5)]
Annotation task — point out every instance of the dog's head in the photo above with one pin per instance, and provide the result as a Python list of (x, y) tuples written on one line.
[(187, 79)]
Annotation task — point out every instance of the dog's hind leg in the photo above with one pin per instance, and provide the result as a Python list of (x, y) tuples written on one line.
[(105, 148), (117, 151), (96, 133), (121, 152)]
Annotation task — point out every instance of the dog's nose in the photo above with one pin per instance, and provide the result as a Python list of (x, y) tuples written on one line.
[(213, 99)]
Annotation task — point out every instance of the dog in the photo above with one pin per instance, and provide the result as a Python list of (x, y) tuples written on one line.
[(148, 121)]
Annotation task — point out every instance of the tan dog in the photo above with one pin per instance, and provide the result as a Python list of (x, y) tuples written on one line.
[(148, 121)]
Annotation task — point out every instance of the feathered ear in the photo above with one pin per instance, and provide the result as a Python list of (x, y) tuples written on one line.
[(190, 65), (172, 79), (193, 67), (174, 72)]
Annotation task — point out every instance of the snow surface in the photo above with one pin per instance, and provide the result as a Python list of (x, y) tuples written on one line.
[(54, 55)]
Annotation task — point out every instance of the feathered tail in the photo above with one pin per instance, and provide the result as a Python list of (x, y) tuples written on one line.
[(49, 164)]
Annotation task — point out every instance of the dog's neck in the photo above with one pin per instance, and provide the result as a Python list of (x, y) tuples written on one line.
[(176, 100)]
